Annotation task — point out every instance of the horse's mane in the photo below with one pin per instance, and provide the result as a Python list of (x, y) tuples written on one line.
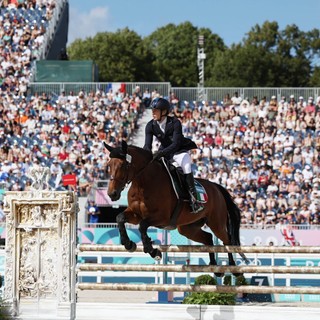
[(146, 153)]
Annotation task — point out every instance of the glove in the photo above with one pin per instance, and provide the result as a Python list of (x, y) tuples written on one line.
[(157, 155)]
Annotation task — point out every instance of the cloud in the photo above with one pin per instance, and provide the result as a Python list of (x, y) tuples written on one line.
[(87, 24)]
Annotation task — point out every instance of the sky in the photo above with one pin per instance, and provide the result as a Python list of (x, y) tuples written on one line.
[(230, 19)]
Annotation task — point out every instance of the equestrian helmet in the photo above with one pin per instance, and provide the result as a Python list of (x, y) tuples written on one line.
[(161, 104)]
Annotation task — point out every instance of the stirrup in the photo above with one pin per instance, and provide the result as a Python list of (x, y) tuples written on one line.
[(196, 207)]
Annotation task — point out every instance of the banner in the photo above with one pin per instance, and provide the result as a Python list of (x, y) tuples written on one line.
[(69, 180)]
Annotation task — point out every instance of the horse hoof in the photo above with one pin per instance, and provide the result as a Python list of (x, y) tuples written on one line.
[(132, 247), (156, 254), (219, 274), (238, 274)]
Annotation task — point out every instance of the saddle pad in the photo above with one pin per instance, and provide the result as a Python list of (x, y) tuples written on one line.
[(202, 195)]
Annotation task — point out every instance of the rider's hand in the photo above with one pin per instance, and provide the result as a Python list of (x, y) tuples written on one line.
[(157, 155)]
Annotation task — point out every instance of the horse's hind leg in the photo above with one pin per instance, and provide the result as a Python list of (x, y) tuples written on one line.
[(194, 232), (233, 263), (223, 235), (128, 244), (146, 241)]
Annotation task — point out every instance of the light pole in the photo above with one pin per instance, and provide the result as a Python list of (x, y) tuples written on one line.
[(201, 56)]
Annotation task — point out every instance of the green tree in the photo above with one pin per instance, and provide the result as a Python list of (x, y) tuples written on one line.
[(315, 79), (120, 56), (175, 50), (314, 56), (268, 57), (294, 63), (241, 66)]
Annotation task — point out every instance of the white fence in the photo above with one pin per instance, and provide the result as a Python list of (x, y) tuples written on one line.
[(288, 272)]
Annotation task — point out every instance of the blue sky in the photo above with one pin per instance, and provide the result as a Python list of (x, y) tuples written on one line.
[(230, 19)]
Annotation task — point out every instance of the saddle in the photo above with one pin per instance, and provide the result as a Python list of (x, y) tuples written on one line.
[(177, 178), (180, 188)]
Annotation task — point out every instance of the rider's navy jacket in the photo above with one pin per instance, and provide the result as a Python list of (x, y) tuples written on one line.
[(172, 140)]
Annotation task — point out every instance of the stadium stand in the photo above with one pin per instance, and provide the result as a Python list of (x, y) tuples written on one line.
[(265, 151)]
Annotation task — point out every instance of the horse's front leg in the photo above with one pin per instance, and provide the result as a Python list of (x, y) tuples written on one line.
[(146, 241), (124, 238)]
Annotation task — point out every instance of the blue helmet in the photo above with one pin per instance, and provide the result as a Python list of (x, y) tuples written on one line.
[(161, 104)]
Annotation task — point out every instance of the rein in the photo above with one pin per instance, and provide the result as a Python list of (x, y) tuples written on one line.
[(128, 164), (134, 175)]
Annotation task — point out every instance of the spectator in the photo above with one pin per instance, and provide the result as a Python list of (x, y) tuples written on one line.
[(293, 188), (286, 170), (259, 217), (2, 215), (146, 98), (293, 201), (85, 183), (282, 201), (274, 138), (261, 203), (307, 173), (305, 213), (93, 212), (236, 99)]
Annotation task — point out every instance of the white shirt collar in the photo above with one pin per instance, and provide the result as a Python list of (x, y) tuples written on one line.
[(162, 124)]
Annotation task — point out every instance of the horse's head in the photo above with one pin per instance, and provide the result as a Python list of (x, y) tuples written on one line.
[(119, 169)]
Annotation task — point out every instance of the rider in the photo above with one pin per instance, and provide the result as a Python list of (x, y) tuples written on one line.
[(174, 145)]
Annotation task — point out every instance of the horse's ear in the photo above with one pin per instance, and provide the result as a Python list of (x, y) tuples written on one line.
[(124, 146), (109, 148)]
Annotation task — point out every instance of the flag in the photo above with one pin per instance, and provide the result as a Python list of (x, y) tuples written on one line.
[(69, 180)]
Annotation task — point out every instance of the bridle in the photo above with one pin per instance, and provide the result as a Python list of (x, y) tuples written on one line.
[(127, 164)]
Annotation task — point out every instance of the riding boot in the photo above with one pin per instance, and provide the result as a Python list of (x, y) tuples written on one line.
[(194, 203)]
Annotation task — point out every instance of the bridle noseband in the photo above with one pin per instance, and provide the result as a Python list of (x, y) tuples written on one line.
[(124, 182)]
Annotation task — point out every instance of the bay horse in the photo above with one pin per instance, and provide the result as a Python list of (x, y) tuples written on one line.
[(152, 201)]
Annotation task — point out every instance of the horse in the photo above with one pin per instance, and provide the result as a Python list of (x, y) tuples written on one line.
[(152, 201)]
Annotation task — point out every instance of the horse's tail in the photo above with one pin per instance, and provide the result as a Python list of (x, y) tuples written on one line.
[(234, 219)]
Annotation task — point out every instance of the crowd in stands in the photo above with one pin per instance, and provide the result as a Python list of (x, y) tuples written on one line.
[(264, 151), (63, 132), (65, 135)]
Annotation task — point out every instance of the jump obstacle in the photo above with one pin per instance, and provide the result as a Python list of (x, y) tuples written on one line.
[(41, 252), (201, 268)]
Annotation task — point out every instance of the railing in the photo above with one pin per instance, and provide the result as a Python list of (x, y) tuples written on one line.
[(218, 94), (51, 29), (243, 226), (203, 249), (274, 261), (282, 269), (55, 88), (164, 89)]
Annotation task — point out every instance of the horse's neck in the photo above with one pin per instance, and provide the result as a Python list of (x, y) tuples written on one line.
[(139, 158)]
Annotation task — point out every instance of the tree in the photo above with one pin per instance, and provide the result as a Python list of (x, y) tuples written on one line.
[(175, 51), (241, 66), (120, 56), (268, 57), (315, 79)]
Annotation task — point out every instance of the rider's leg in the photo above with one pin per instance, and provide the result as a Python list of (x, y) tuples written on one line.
[(184, 161), (195, 204)]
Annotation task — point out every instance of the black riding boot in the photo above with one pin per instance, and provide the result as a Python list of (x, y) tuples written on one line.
[(195, 204)]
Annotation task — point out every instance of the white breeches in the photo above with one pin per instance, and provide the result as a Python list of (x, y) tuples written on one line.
[(184, 161)]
